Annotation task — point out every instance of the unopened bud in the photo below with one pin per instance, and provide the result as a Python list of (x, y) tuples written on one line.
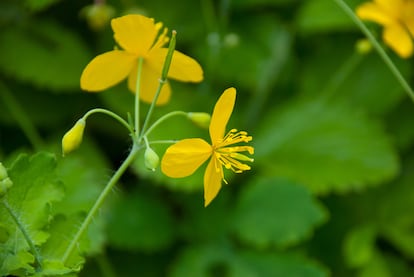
[(151, 159), (200, 119), (73, 138), (97, 15), (3, 172), (5, 184), (363, 46)]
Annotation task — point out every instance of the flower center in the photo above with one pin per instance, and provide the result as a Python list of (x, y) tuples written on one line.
[(230, 156)]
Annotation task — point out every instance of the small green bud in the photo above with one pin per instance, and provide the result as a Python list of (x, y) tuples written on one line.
[(5, 184), (363, 46), (151, 159), (200, 119), (3, 172), (73, 138), (98, 15)]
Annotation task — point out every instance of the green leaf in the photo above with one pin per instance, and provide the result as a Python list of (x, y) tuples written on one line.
[(140, 221), (223, 260), (39, 5), (318, 16), (35, 188), (276, 212), (327, 147), (43, 54), (359, 246)]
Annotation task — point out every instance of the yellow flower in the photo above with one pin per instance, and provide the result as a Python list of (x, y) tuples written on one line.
[(397, 17), (140, 37), (184, 157)]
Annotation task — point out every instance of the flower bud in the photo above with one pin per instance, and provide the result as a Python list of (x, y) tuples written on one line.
[(5, 184), (200, 119), (3, 172), (97, 15), (151, 159), (363, 46), (73, 138)]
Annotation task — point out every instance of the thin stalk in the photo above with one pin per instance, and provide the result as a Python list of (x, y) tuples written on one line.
[(341, 74), (162, 80), (161, 119), (36, 254), (21, 117), (377, 47), (137, 95), (111, 114), (98, 203)]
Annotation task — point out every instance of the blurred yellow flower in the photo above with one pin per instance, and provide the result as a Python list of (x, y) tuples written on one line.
[(397, 17), (140, 37), (184, 157)]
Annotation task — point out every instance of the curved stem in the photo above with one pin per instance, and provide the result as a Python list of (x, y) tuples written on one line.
[(113, 115), (170, 141), (21, 117), (377, 47), (26, 236), (98, 203), (161, 119)]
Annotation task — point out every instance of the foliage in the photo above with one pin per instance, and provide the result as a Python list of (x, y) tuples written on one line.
[(331, 189)]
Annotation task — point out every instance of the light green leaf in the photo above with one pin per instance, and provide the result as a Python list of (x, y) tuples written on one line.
[(276, 212), (44, 54), (35, 188), (327, 147), (39, 5), (359, 246)]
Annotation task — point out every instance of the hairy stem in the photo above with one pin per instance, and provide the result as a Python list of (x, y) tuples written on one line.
[(98, 203), (20, 225)]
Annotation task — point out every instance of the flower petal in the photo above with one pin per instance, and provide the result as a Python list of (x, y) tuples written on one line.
[(184, 157), (399, 40), (374, 12), (106, 70), (212, 181), (135, 33), (149, 85), (183, 68), (221, 115), (392, 7)]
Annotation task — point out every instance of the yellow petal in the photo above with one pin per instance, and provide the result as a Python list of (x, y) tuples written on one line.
[(107, 70), (135, 33), (409, 18), (184, 157), (149, 85), (399, 40), (374, 12), (392, 7), (212, 181), (221, 115), (183, 68)]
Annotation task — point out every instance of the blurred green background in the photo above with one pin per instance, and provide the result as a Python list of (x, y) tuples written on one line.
[(331, 191)]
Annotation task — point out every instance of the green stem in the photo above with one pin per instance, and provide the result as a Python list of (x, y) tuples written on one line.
[(342, 73), (137, 95), (21, 117), (162, 81), (167, 141), (98, 203), (29, 241), (105, 266), (377, 47), (161, 119), (113, 115)]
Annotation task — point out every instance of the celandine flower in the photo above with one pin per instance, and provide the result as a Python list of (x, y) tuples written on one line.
[(140, 37), (397, 17), (184, 157)]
